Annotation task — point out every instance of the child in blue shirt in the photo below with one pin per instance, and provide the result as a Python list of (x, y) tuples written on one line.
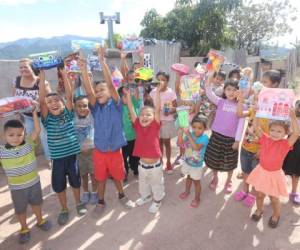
[(195, 144), (109, 138)]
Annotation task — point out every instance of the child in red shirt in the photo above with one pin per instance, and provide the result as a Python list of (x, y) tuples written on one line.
[(147, 129), (268, 178)]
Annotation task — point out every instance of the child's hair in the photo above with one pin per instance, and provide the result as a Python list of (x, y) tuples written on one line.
[(200, 119), (205, 60), (120, 91), (297, 108), (234, 71), (196, 64), (147, 107), (284, 124), (274, 76), (56, 94), (221, 74), (29, 61), (130, 72), (13, 124), (164, 74), (99, 82), (230, 82), (79, 98)]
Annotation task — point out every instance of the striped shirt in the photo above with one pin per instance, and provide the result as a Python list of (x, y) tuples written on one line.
[(19, 164), (61, 134)]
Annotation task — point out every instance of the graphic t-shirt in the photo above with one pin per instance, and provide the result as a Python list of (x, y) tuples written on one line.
[(85, 131)]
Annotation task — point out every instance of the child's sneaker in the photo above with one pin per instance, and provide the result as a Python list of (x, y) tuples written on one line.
[(249, 201), (94, 198), (127, 203), (239, 196), (154, 207), (63, 217), (85, 197), (81, 209), (45, 225), (294, 197), (24, 236), (141, 201)]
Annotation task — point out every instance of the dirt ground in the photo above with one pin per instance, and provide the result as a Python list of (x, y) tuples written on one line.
[(219, 222)]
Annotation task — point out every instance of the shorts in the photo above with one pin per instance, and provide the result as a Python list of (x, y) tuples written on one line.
[(62, 168), (195, 173), (22, 197), (108, 164), (168, 130), (248, 161), (85, 162)]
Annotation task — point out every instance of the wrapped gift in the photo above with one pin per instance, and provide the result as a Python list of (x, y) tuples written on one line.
[(14, 105), (46, 60), (190, 87)]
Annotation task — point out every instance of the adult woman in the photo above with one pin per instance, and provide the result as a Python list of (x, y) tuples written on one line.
[(27, 84)]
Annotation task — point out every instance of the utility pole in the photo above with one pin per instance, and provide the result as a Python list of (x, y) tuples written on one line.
[(110, 20)]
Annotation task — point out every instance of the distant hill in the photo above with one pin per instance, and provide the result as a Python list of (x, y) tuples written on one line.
[(25, 46)]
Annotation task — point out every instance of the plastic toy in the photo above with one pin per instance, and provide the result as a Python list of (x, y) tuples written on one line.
[(86, 45), (244, 83), (190, 87), (183, 116), (14, 105), (117, 78), (214, 61), (71, 63), (144, 73), (132, 44), (94, 63), (182, 69), (257, 87), (46, 60)]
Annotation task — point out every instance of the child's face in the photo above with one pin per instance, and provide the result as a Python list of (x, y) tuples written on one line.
[(146, 116), (82, 107), (14, 136), (219, 81), (277, 132), (130, 78), (230, 93), (163, 81), (102, 93), (25, 69), (266, 82), (198, 128), (236, 76), (55, 105)]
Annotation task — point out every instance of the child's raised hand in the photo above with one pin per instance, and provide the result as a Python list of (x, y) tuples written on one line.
[(42, 74), (123, 54), (82, 63), (35, 106), (101, 52), (240, 96), (186, 130), (292, 113)]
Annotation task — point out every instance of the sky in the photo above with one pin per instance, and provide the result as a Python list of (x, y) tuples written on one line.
[(47, 18)]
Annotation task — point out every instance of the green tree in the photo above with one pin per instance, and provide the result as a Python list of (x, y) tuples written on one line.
[(256, 22)]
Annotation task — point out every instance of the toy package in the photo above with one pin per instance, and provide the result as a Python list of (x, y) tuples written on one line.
[(117, 77), (71, 63), (133, 44), (190, 87), (183, 116), (144, 73), (46, 60), (180, 68), (215, 61), (14, 105), (86, 45), (275, 103), (93, 63)]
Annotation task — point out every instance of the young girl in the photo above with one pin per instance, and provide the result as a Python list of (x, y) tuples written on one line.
[(268, 178), (292, 162), (227, 128), (168, 104), (147, 128), (195, 144)]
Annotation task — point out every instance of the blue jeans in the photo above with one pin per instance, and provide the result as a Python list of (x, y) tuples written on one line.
[(28, 122), (248, 161)]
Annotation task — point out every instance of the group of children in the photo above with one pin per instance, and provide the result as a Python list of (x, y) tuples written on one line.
[(108, 131)]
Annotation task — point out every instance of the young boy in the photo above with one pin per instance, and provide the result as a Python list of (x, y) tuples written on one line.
[(19, 163), (109, 138), (85, 131), (129, 160), (58, 119)]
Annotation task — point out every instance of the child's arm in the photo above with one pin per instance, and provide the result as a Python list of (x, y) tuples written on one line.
[(180, 137), (295, 128), (177, 84), (194, 145), (123, 64), (42, 94), (132, 113), (157, 104), (36, 124), (240, 106), (208, 90), (141, 57), (257, 129), (107, 75), (68, 90), (87, 82)]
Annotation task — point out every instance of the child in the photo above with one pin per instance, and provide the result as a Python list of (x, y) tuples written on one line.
[(250, 147), (195, 144), (109, 138), (147, 147), (168, 104), (18, 159), (58, 119), (292, 162), (268, 177), (130, 161), (235, 74), (85, 131), (227, 128)]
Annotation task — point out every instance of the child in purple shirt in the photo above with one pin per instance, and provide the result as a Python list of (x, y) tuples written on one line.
[(227, 129)]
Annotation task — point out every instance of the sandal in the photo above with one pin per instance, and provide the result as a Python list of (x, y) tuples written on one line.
[(195, 203), (24, 236), (228, 187), (249, 201), (241, 195), (273, 223), (213, 184), (256, 217), (184, 195)]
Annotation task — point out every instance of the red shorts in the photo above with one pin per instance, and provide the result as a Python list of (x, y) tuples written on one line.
[(108, 164)]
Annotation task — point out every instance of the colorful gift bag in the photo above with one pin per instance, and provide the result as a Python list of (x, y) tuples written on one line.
[(190, 87), (183, 116)]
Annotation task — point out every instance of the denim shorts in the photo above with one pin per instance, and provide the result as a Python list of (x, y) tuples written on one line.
[(248, 161), (63, 168)]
